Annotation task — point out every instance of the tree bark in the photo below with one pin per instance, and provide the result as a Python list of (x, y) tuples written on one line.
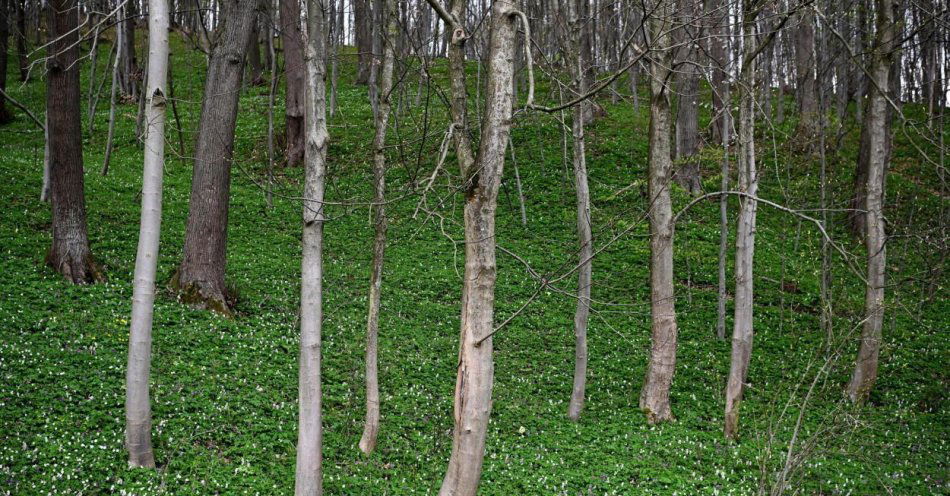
[(138, 414), (364, 39), (128, 69), (719, 34), (806, 82), (687, 111), (371, 427), (5, 115), (655, 396), (200, 277), (745, 235), (22, 57), (255, 69), (584, 237), (294, 74), (476, 369), (309, 472), (865, 370), (70, 254)]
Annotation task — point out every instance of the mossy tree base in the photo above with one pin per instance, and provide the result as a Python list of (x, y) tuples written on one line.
[(202, 294)]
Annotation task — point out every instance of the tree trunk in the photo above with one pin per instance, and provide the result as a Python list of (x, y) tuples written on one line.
[(5, 115), (865, 370), (138, 414), (128, 70), (806, 82), (687, 111), (476, 369), (22, 57), (294, 73), (255, 69), (745, 236), (655, 396), (719, 33), (110, 136), (309, 473), (70, 254), (371, 427), (364, 39), (200, 277), (584, 237)]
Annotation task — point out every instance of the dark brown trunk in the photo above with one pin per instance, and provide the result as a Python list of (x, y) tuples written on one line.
[(70, 254), (21, 39), (200, 277), (364, 39), (294, 73), (805, 83), (5, 115), (255, 70), (128, 68)]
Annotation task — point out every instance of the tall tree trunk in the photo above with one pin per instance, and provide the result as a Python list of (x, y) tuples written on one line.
[(110, 136), (5, 115), (371, 427), (865, 370), (22, 57), (294, 74), (806, 82), (687, 111), (255, 69), (655, 396), (719, 39), (200, 277), (128, 69), (70, 254), (483, 176), (138, 413), (309, 473), (364, 39), (745, 233), (584, 237)]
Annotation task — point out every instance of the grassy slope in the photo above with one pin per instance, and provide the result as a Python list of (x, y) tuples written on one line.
[(224, 390)]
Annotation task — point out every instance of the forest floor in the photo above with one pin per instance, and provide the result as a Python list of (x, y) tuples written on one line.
[(224, 390)]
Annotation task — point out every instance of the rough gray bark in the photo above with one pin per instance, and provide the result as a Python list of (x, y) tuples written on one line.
[(309, 472), (363, 19), (687, 111), (655, 395), (294, 74), (128, 69), (806, 82), (722, 295), (70, 254), (472, 405), (745, 234), (200, 277), (255, 68), (371, 426), (138, 414), (719, 34), (865, 370), (584, 237)]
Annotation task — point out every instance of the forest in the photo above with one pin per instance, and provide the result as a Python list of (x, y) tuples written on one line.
[(459, 247)]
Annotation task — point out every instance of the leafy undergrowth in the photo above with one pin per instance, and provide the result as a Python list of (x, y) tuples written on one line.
[(224, 391)]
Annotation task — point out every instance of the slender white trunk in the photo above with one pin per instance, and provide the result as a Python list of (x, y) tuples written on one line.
[(745, 239), (309, 474), (865, 370), (138, 415), (371, 427), (585, 250)]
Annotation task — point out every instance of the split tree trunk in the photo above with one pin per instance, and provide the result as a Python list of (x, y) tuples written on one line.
[(865, 370), (138, 413), (483, 176), (309, 473), (294, 74), (745, 235), (371, 427), (584, 237), (655, 396), (200, 277), (70, 254)]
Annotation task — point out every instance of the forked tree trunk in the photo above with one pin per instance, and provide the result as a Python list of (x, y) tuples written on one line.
[(371, 427), (655, 395), (309, 472), (200, 277), (138, 413), (585, 248), (745, 236), (865, 370), (70, 254), (472, 405), (294, 73)]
